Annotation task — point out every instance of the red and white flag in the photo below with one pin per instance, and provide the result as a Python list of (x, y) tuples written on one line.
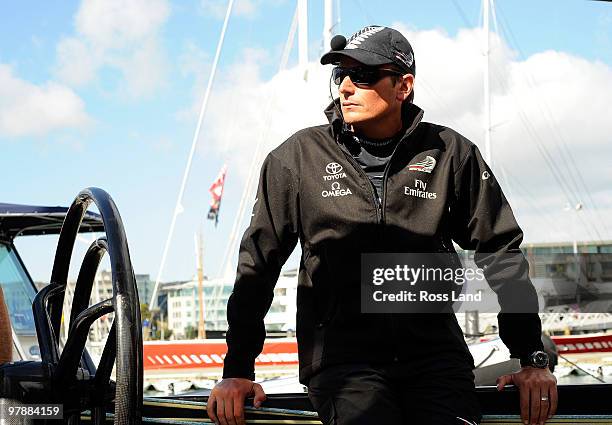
[(216, 190)]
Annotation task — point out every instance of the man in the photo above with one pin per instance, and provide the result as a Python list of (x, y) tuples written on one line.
[(343, 189), (6, 339)]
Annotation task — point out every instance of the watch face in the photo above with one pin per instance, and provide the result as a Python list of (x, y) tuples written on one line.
[(540, 359)]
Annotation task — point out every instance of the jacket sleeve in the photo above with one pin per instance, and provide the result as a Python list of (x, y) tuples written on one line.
[(482, 220), (267, 243)]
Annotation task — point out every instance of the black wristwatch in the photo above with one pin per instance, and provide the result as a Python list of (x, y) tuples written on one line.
[(537, 359)]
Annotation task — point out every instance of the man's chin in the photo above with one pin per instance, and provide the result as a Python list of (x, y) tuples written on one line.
[(352, 118)]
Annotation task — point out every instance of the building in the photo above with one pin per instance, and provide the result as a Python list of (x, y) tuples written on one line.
[(103, 289), (103, 286), (145, 288), (184, 312)]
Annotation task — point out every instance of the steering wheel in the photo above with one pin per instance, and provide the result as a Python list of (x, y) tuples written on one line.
[(71, 383)]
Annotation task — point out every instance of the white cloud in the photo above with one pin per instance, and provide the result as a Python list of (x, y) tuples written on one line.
[(145, 70), (77, 64), (29, 109), (218, 8), (550, 104), (243, 108), (117, 23), (550, 98), (120, 35), (195, 62)]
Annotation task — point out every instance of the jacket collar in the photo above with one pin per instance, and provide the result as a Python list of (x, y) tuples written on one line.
[(411, 117)]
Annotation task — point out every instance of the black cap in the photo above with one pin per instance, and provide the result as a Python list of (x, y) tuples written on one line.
[(373, 45)]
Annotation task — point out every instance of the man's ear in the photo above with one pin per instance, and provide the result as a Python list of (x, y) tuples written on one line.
[(406, 83)]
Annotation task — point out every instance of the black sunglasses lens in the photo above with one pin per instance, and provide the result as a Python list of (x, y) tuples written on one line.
[(338, 75), (335, 76), (358, 75)]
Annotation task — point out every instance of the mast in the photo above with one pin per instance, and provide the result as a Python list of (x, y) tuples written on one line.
[(303, 36), (201, 327), (328, 24)]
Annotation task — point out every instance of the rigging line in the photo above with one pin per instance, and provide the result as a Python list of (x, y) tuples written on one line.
[(594, 211), (509, 190), (462, 14), (364, 12), (499, 80), (509, 34), (579, 368), (178, 207), (547, 160), (541, 147), (581, 185), (544, 214), (546, 156), (338, 14), (593, 204), (494, 14), (553, 124), (226, 264), (599, 238), (502, 169), (552, 168), (445, 106), (547, 115), (507, 25), (469, 24), (252, 172), (594, 232)]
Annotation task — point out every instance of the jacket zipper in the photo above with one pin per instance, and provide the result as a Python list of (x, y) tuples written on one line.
[(386, 176), (379, 220), (380, 210), (383, 202), (377, 203)]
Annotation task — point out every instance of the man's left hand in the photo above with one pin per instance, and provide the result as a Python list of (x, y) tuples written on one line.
[(538, 392)]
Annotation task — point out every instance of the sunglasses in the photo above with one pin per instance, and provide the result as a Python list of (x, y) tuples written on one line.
[(362, 75)]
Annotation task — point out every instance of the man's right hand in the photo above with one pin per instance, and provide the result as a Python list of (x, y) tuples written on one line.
[(226, 401)]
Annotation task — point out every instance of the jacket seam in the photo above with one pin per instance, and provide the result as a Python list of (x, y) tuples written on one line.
[(294, 175), (463, 161)]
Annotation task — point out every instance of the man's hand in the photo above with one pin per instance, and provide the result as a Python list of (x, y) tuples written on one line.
[(226, 401), (538, 388)]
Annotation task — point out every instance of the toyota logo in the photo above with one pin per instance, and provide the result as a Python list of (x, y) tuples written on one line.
[(333, 168)]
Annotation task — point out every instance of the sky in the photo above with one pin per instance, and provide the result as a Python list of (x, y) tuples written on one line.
[(107, 93)]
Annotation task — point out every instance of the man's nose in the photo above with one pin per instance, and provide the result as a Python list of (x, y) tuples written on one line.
[(346, 86)]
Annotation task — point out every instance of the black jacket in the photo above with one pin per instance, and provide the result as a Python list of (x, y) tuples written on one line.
[(312, 190)]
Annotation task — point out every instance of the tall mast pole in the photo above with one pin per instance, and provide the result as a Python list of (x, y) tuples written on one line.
[(328, 24), (487, 98), (201, 328), (303, 36)]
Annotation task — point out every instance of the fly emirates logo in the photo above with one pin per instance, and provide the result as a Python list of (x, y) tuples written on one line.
[(419, 190)]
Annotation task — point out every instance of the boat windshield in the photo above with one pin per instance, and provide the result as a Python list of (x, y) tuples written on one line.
[(19, 294)]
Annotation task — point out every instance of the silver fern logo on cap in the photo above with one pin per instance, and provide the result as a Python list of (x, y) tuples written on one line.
[(406, 58), (362, 35)]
